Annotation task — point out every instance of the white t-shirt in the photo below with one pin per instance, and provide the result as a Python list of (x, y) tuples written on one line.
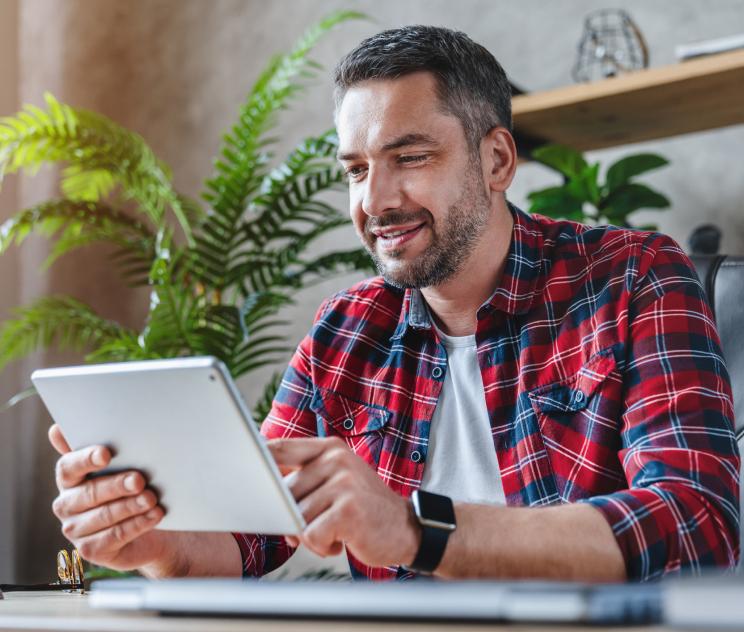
[(461, 461)]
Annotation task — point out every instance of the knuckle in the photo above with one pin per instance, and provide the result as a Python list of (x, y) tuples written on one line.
[(91, 494), (118, 534), (106, 515), (60, 471), (336, 443), (87, 549), (58, 507), (68, 529)]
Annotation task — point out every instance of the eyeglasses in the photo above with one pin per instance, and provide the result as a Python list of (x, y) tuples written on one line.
[(69, 571)]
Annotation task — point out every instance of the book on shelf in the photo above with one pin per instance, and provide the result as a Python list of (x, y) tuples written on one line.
[(709, 47)]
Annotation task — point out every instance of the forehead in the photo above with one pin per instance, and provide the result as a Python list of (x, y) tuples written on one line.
[(376, 112)]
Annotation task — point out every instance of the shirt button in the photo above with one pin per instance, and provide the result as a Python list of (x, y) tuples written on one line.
[(348, 423), (580, 396), (415, 456), (437, 372)]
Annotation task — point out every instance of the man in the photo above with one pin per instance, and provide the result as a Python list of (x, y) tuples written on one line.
[(563, 384)]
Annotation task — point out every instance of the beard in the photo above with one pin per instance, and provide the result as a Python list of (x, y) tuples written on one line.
[(454, 238)]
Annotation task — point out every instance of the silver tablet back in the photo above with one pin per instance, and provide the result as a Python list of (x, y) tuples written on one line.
[(183, 423)]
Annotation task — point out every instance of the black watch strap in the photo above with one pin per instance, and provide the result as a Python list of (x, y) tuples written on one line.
[(432, 510), (431, 551)]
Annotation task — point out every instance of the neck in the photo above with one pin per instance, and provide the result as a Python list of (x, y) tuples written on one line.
[(454, 304)]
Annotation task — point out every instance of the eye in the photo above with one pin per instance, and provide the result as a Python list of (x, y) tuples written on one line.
[(412, 158), (355, 172)]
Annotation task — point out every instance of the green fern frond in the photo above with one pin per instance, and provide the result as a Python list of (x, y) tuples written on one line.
[(265, 401), (334, 263), (218, 333), (258, 270), (92, 145), (87, 185), (287, 194), (78, 224), (54, 320), (18, 398), (174, 308), (122, 348), (243, 157)]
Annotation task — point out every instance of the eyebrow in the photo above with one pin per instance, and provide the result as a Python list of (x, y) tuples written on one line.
[(406, 140)]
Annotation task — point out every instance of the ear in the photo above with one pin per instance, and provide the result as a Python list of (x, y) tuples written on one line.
[(498, 158)]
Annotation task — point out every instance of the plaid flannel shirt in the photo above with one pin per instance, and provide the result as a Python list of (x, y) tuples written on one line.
[(604, 383)]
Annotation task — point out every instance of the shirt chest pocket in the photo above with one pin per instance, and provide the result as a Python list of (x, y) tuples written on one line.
[(579, 421), (360, 424)]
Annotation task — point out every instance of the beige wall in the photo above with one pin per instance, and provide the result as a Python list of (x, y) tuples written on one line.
[(177, 70)]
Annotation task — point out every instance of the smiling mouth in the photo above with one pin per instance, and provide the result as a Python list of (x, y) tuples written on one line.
[(390, 239)]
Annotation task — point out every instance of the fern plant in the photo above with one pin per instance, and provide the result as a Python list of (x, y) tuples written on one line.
[(218, 274)]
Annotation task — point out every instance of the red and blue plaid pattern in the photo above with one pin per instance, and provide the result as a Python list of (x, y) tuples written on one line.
[(604, 383)]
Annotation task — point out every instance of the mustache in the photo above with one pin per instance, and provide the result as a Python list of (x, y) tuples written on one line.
[(395, 218)]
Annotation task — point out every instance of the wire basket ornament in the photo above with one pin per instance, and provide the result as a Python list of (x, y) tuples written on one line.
[(611, 44)]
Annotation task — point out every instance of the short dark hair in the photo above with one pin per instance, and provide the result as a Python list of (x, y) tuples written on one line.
[(471, 84)]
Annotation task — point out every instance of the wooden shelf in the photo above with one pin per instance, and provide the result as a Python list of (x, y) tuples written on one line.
[(691, 96)]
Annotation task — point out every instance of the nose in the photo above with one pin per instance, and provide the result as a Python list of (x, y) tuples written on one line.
[(382, 191)]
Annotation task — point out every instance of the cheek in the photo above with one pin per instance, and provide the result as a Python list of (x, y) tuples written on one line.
[(357, 214)]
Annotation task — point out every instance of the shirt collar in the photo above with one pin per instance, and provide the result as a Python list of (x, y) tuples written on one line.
[(518, 286)]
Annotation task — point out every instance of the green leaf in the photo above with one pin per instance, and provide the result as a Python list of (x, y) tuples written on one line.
[(564, 160), (18, 398), (99, 155), (243, 154), (54, 320), (628, 198), (585, 186), (623, 170), (557, 202)]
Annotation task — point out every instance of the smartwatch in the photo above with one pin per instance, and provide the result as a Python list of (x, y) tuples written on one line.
[(436, 516)]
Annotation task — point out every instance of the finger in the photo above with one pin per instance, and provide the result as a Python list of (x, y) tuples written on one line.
[(321, 536), (73, 467), (292, 540), (294, 453), (97, 492), (104, 545), (107, 515), (317, 502), (57, 439), (309, 478)]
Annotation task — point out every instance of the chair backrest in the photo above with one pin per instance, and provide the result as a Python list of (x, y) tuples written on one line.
[(723, 279)]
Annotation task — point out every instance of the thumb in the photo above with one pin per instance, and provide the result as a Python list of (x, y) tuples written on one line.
[(57, 439)]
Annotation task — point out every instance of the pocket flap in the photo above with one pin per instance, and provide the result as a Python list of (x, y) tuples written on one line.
[(574, 393), (348, 416)]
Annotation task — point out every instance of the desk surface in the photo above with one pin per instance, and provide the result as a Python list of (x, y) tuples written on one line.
[(55, 611)]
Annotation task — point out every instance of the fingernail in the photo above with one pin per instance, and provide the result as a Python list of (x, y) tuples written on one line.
[(99, 458), (143, 500), (152, 514), (130, 482)]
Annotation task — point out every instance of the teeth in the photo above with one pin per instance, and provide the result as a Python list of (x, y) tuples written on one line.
[(396, 233)]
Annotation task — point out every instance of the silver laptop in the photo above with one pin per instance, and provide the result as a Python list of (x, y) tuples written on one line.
[(419, 600)]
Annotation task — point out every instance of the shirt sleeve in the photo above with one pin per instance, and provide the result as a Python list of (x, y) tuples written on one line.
[(290, 417), (679, 451)]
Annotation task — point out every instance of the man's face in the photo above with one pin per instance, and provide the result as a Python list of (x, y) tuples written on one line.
[(417, 195)]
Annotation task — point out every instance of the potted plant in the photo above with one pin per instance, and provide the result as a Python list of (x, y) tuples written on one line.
[(584, 198), (218, 273)]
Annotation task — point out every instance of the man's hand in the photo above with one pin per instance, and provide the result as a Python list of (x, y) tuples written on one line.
[(343, 501), (109, 519)]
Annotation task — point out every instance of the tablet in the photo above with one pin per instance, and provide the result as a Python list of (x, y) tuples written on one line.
[(183, 423)]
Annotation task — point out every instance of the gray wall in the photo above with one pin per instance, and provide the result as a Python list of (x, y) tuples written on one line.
[(177, 70), (9, 381)]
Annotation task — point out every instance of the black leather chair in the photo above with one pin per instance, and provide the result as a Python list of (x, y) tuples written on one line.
[(723, 279)]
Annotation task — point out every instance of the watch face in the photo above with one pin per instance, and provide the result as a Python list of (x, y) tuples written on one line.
[(434, 508)]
